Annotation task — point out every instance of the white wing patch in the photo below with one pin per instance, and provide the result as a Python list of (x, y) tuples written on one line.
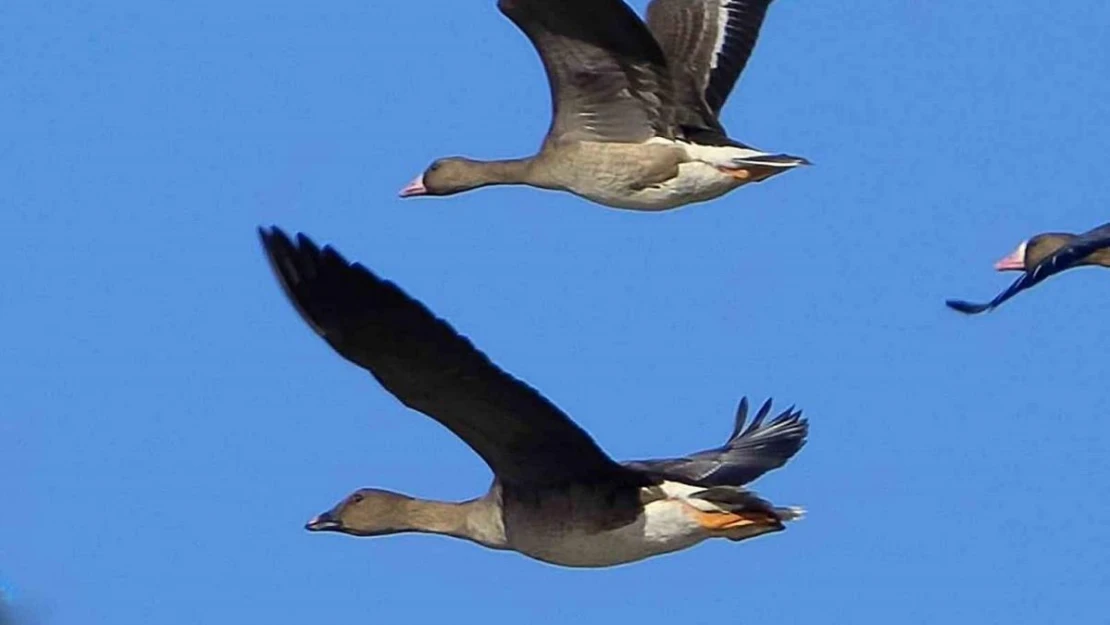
[(722, 32)]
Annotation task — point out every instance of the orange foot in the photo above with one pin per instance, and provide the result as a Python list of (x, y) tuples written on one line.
[(721, 521), (738, 526), (740, 174)]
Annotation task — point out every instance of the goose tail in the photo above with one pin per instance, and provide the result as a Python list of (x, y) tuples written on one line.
[(781, 161), (737, 513), (740, 156)]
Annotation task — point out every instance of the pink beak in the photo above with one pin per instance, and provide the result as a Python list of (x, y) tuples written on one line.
[(1014, 262), (416, 187)]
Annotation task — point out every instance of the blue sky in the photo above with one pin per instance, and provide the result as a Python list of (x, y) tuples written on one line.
[(169, 423)]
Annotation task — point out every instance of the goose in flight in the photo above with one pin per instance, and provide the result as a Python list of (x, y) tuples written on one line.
[(635, 106), (1042, 257), (556, 496)]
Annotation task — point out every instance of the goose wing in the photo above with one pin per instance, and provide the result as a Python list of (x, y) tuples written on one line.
[(750, 452), (707, 44), (429, 367), (609, 79)]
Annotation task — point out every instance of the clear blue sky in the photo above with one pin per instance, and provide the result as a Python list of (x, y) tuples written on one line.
[(168, 422)]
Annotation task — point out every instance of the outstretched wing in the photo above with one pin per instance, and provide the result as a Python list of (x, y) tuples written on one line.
[(972, 308), (429, 367), (609, 79), (707, 44), (749, 453), (1094, 239), (1061, 260)]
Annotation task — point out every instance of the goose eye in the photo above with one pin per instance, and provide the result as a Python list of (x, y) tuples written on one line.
[(356, 498)]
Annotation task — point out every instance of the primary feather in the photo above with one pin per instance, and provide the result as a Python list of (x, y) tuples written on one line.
[(749, 452)]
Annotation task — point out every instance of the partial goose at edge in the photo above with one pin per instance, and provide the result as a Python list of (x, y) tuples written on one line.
[(635, 106), (1042, 257)]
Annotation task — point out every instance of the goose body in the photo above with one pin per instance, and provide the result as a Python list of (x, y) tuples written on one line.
[(550, 532), (658, 174), (556, 496), (556, 532), (635, 105)]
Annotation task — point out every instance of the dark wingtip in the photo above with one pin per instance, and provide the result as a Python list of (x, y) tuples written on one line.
[(741, 417), (306, 244), (764, 410), (790, 418), (966, 308), (271, 234)]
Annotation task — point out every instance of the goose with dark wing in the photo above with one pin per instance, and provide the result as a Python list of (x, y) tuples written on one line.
[(634, 106), (556, 496), (1042, 257)]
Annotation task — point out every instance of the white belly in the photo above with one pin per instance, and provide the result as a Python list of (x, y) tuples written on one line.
[(695, 182), (663, 527)]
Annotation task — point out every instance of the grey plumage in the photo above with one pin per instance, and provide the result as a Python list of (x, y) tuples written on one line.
[(522, 436), (556, 496), (704, 66), (430, 368), (609, 79), (614, 77), (632, 102), (749, 452)]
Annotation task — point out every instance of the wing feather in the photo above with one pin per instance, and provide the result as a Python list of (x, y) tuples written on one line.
[(609, 79), (429, 367)]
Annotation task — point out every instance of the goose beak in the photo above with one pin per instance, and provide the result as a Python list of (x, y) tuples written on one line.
[(322, 523), (414, 188), (1013, 262)]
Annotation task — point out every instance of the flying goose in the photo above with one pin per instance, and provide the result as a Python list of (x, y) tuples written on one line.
[(556, 496), (635, 107), (1043, 256)]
